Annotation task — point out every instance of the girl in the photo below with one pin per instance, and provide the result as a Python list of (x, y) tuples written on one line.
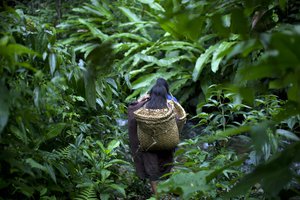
[(149, 164)]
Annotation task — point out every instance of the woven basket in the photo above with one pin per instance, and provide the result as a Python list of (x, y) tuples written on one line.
[(156, 129), (180, 114)]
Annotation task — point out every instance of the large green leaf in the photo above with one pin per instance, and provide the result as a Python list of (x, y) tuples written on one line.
[(288, 134), (52, 63), (148, 80), (154, 5), (173, 45), (103, 9), (98, 10), (186, 184), (243, 48), (55, 130), (35, 164), (144, 81), (219, 54), (131, 16), (95, 31), (128, 36), (202, 61), (18, 49), (134, 18), (161, 62), (112, 145)]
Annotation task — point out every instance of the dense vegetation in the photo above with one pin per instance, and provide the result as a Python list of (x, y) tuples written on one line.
[(69, 68)]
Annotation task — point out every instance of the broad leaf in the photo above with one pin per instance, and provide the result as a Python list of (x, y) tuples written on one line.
[(288, 134), (112, 145), (55, 130), (52, 63), (202, 61), (186, 184), (35, 164), (219, 54)]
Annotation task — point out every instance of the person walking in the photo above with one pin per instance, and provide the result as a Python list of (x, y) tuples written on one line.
[(150, 165)]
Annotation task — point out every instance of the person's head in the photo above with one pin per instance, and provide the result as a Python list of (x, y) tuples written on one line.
[(158, 97), (162, 81)]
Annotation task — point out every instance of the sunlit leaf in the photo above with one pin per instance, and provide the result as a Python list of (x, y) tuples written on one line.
[(154, 5), (95, 31), (219, 54), (186, 184), (129, 36), (18, 49), (52, 63), (244, 48), (102, 9), (287, 134), (112, 145), (202, 61), (144, 81)]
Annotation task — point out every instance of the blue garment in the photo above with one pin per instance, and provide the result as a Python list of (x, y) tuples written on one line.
[(169, 97)]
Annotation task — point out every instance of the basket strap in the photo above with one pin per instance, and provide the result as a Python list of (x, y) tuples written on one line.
[(171, 106), (171, 96), (153, 143)]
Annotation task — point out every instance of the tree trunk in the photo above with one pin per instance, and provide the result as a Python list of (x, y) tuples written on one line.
[(58, 9)]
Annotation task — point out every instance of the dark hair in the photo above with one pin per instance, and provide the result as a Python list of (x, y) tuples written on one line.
[(163, 82), (158, 97)]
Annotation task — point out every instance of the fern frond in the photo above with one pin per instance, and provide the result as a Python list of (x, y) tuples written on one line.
[(64, 152), (88, 193)]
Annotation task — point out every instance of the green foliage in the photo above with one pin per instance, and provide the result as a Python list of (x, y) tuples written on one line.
[(242, 39), (272, 180), (88, 193), (56, 110), (142, 51), (202, 172), (238, 140), (67, 68), (186, 184)]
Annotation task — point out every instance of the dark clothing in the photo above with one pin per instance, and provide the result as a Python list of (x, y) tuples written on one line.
[(150, 165)]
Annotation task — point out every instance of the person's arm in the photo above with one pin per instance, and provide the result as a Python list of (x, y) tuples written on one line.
[(143, 98)]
